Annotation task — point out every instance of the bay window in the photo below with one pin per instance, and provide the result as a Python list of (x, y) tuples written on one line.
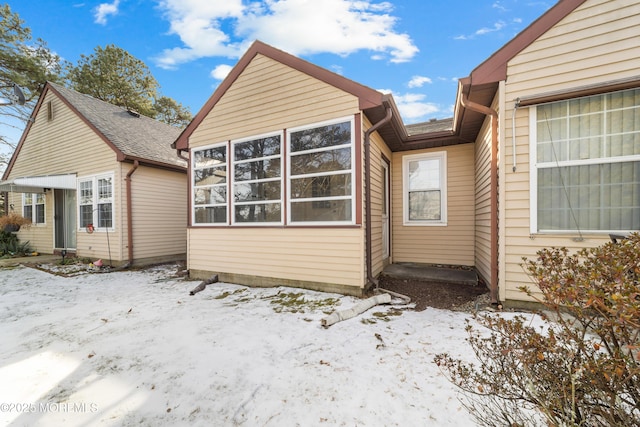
[(585, 164)]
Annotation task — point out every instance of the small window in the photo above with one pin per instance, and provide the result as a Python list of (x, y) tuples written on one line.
[(49, 111), (425, 196), (33, 207)]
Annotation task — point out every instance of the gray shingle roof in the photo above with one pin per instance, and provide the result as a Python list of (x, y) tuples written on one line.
[(431, 126), (140, 137)]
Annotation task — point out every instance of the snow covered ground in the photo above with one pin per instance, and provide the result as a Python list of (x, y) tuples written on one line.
[(133, 348)]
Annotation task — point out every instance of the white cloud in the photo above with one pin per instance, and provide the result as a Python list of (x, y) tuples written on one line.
[(104, 10), (413, 107), (498, 5), (418, 81), (496, 27), (482, 31), (299, 27), (221, 71)]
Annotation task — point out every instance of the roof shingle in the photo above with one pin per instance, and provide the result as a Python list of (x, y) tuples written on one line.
[(138, 137)]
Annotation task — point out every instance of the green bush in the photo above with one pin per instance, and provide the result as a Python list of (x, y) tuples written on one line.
[(582, 368), (10, 245)]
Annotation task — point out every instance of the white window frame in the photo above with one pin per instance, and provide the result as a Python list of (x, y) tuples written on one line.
[(226, 185), (533, 175), (96, 201), (441, 156), (233, 182), (352, 197), (34, 204)]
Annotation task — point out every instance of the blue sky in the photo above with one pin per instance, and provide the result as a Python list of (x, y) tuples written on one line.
[(415, 49)]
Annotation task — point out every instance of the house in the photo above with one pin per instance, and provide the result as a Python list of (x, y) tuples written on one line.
[(99, 181), (301, 177), (567, 94)]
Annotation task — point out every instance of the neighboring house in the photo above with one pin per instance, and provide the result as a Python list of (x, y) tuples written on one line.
[(99, 181), (299, 176)]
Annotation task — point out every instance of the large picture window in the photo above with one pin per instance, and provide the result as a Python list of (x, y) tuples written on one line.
[(424, 188), (95, 204), (33, 207), (210, 185), (585, 163), (322, 173)]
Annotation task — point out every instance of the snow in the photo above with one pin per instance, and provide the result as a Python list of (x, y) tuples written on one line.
[(133, 348)]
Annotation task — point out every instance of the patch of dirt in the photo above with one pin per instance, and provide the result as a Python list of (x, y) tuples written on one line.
[(449, 296)]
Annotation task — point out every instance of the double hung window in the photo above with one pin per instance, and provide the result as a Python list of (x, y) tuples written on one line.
[(424, 184), (95, 204), (33, 207)]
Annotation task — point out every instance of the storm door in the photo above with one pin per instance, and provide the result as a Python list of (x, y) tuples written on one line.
[(65, 219)]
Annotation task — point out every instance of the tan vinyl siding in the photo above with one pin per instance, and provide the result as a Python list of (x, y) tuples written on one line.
[(51, 148), (595, 44), (331, 255), (483, 206), (452, 244), (378, 149), (55, 149), (39, 236), (159, 223), (68, 145), (269, 96)]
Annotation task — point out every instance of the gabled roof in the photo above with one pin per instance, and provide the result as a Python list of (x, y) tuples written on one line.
[(368, 98), (130, 136), (482, 84), (480, 87), (494, 68)]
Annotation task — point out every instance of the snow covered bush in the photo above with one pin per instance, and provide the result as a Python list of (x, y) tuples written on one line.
[(582, 368)]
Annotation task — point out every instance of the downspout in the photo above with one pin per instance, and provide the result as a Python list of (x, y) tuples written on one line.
[(130, 211), (493, 286), (367, 191), (179, 154)]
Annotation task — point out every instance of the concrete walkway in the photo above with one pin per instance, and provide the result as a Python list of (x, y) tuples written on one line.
[(432, 273)]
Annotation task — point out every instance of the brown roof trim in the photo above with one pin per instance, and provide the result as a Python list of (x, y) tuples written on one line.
[(494, 69), (152, 163), (30, 122), (48, 87), (580, 91), (368, 98)]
